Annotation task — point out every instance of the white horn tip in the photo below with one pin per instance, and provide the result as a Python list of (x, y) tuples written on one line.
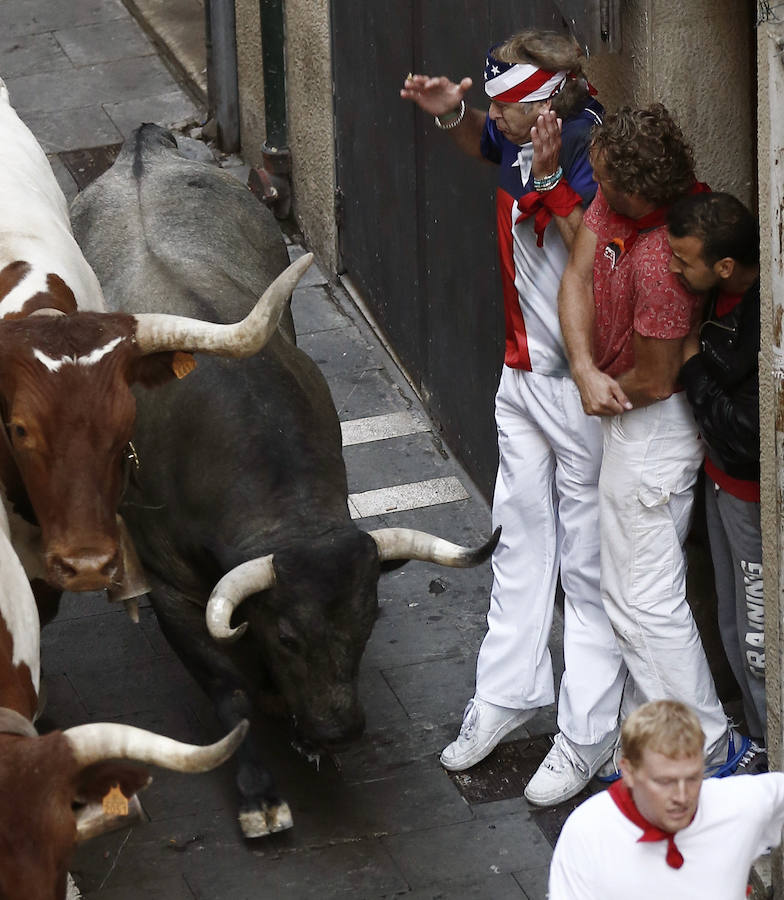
[(224, 635), (239, 731)]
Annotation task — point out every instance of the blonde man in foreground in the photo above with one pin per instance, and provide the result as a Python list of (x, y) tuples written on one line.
[(661, 831)]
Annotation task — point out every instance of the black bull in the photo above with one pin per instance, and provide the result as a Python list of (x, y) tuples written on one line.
[(240, 461)]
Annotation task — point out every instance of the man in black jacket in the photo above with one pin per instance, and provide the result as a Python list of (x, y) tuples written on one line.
[(715, 249)]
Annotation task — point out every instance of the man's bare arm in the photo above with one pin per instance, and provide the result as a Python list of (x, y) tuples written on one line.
[(601, 394), (655, 372), (568, 226), (440, 96)]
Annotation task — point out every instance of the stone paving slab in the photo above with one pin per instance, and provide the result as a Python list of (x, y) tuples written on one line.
[(82, 644), (23, 17), (418, 638), (25, 53), (311, 313), (70, 129), (164, 889), (104, 42), (496, 887), (507, 844), (435, 690), (533, 882), (124, 79), (170, 106)]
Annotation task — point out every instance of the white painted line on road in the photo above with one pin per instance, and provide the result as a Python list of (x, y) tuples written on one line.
[(377, 428), (400, 497)]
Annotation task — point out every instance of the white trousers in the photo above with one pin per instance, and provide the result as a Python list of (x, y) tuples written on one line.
[(546, 503), (646, 492)]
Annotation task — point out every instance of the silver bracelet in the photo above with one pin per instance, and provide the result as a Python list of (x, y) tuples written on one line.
[(454, 122)]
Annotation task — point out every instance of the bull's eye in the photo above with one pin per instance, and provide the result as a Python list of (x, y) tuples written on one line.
[(288, 637), (290, 643), (18, 431)]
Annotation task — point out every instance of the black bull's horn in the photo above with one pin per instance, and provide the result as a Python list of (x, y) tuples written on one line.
[(393, 543), (157, 332), (108, 740)]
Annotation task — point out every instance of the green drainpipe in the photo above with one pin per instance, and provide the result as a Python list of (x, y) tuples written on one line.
[(272, 182), (272, 57)]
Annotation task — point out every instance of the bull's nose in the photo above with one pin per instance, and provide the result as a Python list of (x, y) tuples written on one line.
[(86, 571), (341, 730)]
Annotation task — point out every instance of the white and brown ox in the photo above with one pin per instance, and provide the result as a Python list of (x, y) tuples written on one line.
[(51, 785), (66, 368)]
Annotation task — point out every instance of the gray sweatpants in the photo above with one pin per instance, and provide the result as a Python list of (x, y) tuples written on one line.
[(736, 548)]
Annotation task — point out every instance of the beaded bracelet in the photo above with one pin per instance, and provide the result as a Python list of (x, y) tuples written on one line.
[(453, 122), (549, 181)]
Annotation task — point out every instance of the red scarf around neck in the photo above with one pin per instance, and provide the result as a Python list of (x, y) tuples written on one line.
[(656, 218), (625, 803)]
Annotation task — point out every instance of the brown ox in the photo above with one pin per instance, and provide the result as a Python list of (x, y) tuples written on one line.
[(66, 369), (51, 786)]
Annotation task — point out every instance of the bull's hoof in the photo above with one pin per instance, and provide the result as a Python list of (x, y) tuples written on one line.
[(279, 817), (256, 823)]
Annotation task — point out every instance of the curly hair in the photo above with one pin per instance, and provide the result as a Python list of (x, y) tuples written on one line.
[(645, 153), (554, 52)]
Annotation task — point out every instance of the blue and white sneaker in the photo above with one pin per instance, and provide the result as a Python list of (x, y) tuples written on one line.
[(738, 747), (754, 761)]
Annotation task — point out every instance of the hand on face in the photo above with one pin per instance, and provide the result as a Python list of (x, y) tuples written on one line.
[(436, 96), (546, 141)]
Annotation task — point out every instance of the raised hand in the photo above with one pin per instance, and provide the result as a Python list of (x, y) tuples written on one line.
[(546, 141), (436, 96)]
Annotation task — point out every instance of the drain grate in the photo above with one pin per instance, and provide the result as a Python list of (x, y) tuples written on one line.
[(551, 819), (504, 774), (86, 165)]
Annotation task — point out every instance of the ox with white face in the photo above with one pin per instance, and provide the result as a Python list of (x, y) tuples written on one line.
[(46, 782)]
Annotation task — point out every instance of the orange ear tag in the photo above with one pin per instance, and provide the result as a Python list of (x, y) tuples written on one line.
[(183, 363), (115, 803)]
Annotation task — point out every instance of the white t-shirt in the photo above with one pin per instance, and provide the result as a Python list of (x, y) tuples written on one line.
[(597, 856)]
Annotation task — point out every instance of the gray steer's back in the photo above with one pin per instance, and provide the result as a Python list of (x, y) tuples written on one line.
[(192, 238)]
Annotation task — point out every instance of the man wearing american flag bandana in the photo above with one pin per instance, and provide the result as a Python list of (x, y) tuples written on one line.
[(537, 132)]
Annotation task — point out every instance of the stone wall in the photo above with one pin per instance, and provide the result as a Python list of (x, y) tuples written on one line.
[(698, 60)]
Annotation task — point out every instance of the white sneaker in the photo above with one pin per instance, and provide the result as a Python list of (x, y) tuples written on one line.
[(484, 724), (564, 773)]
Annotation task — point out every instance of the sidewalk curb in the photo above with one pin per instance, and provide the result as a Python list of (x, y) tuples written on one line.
[(176, 29)]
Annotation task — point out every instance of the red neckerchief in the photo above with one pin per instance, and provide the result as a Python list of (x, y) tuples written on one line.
[(560, 201), (654, 219), (725, 303), (625, 803)]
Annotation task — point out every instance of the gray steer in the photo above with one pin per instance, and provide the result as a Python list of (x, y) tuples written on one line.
[(242, 480)]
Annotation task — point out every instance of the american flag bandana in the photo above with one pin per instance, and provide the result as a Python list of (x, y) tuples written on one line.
[(519, 82)]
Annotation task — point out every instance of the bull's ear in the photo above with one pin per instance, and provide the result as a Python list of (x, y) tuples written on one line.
[(94, 782), (158, 368)]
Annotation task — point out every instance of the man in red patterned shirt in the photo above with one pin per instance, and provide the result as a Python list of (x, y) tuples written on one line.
[(624, 318)]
